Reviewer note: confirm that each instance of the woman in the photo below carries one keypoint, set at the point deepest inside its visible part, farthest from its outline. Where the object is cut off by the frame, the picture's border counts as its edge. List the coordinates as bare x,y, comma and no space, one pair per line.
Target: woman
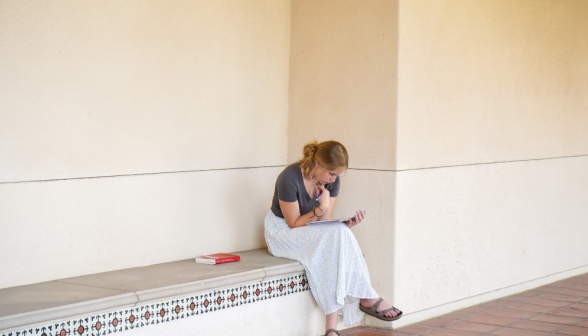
306,191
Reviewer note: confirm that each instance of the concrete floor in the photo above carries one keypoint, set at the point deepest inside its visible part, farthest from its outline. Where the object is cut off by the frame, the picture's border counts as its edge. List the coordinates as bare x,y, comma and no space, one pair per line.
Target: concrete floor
560,308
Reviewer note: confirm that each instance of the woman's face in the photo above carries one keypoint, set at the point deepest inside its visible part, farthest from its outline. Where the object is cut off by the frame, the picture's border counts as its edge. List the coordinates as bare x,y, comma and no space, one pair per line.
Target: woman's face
326,176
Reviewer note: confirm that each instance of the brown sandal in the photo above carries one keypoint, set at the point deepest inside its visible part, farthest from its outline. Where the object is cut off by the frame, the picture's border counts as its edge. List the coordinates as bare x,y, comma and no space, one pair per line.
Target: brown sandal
372,311
332,330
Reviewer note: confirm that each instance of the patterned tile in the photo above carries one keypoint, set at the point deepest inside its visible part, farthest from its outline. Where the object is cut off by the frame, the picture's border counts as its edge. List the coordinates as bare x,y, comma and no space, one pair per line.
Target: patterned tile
171,310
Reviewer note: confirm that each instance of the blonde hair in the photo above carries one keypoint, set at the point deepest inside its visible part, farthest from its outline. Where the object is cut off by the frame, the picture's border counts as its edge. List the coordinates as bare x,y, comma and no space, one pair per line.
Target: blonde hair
331,154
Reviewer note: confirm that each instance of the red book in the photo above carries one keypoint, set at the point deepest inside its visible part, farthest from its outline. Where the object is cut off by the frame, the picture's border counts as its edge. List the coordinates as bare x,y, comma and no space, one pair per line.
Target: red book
217,258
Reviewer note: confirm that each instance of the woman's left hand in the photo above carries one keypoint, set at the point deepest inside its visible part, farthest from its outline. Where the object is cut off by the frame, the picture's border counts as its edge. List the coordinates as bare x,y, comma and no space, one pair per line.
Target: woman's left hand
359,216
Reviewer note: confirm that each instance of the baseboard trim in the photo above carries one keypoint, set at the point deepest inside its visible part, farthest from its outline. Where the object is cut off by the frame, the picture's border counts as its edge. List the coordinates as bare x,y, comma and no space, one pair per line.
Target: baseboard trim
425,314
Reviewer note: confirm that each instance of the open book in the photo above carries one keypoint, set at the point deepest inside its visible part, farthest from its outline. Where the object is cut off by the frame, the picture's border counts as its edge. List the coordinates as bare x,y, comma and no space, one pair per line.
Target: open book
339,220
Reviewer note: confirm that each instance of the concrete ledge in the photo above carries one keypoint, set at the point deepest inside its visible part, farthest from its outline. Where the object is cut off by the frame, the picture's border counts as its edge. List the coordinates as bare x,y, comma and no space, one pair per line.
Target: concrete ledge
65,298
62,312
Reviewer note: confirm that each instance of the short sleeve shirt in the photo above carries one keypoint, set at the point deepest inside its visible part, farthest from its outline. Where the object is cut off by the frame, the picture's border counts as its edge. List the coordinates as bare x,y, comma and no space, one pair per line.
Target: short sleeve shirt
290,188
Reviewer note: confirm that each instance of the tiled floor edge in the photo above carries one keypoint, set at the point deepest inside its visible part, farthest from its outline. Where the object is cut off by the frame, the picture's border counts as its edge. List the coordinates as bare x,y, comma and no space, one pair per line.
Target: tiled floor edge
167,310
429,313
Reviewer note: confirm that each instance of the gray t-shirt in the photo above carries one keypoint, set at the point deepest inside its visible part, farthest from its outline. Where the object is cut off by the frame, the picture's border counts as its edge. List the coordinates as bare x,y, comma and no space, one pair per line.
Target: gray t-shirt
290,188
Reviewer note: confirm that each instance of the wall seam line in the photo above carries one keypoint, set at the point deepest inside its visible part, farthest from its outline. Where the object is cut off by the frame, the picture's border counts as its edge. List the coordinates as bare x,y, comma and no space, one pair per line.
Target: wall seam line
278,166
141,174
468,164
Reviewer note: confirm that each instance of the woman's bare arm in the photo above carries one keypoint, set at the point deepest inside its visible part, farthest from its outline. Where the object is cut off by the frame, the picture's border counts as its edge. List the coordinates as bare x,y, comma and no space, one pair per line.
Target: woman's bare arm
291,211
292,216
327,215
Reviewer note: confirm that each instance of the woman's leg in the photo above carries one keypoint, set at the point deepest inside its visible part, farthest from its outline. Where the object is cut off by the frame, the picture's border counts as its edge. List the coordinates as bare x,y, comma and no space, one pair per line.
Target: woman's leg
332,322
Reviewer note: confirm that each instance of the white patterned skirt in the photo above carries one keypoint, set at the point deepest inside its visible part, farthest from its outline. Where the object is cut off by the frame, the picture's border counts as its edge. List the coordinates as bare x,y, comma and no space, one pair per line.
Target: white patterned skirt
336,271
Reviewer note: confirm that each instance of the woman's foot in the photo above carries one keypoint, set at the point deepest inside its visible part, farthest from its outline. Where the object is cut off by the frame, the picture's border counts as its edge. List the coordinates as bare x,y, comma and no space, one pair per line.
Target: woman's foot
383,306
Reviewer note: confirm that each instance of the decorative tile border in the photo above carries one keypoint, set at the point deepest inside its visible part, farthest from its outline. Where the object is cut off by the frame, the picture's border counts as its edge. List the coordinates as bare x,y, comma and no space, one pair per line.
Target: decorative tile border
167,311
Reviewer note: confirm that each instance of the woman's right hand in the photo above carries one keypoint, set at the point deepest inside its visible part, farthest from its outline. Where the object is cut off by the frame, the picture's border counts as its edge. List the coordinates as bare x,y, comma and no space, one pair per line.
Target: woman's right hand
325,199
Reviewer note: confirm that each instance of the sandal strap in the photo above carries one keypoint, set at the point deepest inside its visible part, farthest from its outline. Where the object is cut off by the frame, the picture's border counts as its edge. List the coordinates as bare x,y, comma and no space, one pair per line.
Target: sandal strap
332,330
383,312
375,306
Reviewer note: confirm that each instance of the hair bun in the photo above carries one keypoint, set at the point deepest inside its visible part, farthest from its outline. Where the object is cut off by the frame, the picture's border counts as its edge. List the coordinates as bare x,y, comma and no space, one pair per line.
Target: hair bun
310,149
330,154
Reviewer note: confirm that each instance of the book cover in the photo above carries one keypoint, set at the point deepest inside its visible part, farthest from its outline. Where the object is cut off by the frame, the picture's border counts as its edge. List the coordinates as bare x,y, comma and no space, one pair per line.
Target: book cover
218,258
338,220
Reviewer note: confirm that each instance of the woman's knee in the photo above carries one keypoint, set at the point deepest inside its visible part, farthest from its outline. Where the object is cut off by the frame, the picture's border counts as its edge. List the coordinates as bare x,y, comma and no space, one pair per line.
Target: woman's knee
342,230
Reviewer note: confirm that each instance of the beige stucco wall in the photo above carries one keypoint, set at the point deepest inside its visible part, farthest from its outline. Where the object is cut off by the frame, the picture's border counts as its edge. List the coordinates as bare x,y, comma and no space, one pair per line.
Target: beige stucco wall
480,83
61,229
109,88
374,192
343,70
343,78
491,81
448,84
93,89
122,89
469,230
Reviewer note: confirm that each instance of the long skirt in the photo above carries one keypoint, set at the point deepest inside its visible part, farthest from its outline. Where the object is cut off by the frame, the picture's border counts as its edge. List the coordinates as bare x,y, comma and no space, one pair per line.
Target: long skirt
337,274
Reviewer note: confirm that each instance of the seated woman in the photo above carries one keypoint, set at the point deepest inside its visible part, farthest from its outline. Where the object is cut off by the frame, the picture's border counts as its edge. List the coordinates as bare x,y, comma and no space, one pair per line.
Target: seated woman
306,191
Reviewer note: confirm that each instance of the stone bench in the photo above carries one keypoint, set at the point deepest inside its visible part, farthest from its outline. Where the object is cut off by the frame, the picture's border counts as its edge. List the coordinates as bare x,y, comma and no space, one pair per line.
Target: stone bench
122,300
